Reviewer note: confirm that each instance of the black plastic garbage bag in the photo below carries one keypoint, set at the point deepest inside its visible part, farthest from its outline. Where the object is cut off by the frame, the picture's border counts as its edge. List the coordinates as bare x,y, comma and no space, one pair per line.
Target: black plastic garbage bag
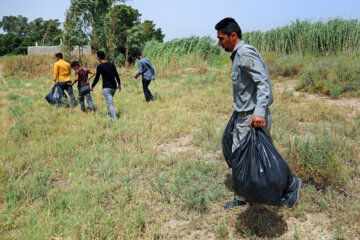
260,174
56,95
227,139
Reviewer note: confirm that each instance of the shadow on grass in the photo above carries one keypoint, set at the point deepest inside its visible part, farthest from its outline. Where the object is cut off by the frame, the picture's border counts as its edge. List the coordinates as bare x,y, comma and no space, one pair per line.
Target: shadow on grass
261,221
257,220
229,182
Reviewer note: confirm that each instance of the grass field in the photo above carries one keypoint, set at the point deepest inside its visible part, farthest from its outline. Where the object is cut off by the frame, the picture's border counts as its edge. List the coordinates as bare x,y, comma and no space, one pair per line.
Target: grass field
158,172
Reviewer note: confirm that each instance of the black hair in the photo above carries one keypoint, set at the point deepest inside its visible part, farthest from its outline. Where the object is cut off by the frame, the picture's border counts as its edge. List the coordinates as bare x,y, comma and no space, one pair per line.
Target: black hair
59,55
75,64
101,55
228,26
138,53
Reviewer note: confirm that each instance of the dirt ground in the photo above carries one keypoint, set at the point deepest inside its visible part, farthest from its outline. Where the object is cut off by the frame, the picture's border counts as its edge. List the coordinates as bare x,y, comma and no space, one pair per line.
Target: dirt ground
350,106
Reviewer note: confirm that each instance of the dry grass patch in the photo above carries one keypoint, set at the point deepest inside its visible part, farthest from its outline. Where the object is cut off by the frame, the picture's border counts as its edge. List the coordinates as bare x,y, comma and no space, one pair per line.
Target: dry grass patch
158,172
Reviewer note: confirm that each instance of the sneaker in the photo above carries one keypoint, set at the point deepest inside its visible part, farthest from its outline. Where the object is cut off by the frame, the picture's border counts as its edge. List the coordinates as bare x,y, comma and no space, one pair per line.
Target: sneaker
92,112
293,196
234,203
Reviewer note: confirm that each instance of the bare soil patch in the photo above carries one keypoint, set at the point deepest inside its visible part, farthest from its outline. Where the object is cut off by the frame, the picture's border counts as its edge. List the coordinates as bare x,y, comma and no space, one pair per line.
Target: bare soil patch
191,70
350,106
177,145
316,226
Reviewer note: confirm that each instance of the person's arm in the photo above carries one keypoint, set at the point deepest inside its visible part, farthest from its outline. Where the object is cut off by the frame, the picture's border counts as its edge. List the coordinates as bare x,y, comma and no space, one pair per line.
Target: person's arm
252,66
76,79
117,78
56,73
152,70
97,77
140,70
91,75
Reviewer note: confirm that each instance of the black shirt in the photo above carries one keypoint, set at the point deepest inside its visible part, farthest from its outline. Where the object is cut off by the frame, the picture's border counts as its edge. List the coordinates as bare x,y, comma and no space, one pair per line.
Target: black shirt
109,73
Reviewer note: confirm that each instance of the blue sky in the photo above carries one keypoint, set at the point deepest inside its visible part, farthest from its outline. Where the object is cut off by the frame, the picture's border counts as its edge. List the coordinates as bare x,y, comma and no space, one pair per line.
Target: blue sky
183,18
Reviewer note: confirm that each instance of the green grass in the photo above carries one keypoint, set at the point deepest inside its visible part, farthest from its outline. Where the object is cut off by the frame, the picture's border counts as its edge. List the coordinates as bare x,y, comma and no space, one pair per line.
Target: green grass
192,52
335,36
332,76
158,172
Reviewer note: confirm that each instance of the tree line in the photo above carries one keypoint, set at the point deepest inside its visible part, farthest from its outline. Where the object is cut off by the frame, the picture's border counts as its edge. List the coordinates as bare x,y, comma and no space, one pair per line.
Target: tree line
20,33
107,25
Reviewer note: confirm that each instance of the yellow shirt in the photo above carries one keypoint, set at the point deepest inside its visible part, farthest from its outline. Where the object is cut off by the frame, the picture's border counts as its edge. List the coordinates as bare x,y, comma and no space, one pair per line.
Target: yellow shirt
62,71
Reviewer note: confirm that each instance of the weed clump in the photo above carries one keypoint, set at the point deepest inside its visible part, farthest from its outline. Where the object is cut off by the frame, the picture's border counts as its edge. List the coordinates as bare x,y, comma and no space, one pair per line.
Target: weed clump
320,160
331,76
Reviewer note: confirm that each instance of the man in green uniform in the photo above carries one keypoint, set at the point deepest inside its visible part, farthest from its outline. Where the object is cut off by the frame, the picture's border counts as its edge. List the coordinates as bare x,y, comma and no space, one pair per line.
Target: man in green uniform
252,93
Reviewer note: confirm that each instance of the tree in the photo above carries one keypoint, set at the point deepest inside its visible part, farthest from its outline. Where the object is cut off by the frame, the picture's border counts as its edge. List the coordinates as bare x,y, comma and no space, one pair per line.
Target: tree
127,34
121,18
134,42
87,17
12,43
114,28
12,24
150,33
75,30
45,32
21,34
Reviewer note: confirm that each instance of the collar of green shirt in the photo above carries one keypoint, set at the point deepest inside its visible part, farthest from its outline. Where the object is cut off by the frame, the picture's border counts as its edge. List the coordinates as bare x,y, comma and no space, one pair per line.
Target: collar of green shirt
236,48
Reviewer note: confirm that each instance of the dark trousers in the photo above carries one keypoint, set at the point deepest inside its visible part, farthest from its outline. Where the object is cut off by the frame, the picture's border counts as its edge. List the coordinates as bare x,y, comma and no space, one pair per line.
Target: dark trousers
147,93
84,92
69,89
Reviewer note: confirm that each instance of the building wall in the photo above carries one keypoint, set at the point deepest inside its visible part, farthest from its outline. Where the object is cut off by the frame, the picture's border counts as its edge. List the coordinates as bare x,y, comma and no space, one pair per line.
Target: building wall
50,50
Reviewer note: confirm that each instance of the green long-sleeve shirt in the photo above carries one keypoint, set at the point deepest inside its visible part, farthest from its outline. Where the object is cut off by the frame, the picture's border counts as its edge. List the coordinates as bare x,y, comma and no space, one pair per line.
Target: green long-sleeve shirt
251,80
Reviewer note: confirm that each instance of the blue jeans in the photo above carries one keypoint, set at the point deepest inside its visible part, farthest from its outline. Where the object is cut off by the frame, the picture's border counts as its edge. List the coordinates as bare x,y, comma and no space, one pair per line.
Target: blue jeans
108,95
84,91
147,93
65,87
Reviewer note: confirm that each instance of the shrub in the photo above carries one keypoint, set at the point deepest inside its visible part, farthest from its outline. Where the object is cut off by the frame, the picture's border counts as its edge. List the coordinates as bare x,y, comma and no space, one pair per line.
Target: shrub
286,66
331,76
320,160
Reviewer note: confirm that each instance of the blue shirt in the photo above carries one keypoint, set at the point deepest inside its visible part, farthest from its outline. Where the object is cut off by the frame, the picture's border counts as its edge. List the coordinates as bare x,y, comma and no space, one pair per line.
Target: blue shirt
145,69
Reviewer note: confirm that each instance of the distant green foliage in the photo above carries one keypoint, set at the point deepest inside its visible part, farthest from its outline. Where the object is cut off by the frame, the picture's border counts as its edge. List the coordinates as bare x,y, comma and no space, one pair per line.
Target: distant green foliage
20,34
108,26
204,46
13,24
284,65
331,76
181,53
319,38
